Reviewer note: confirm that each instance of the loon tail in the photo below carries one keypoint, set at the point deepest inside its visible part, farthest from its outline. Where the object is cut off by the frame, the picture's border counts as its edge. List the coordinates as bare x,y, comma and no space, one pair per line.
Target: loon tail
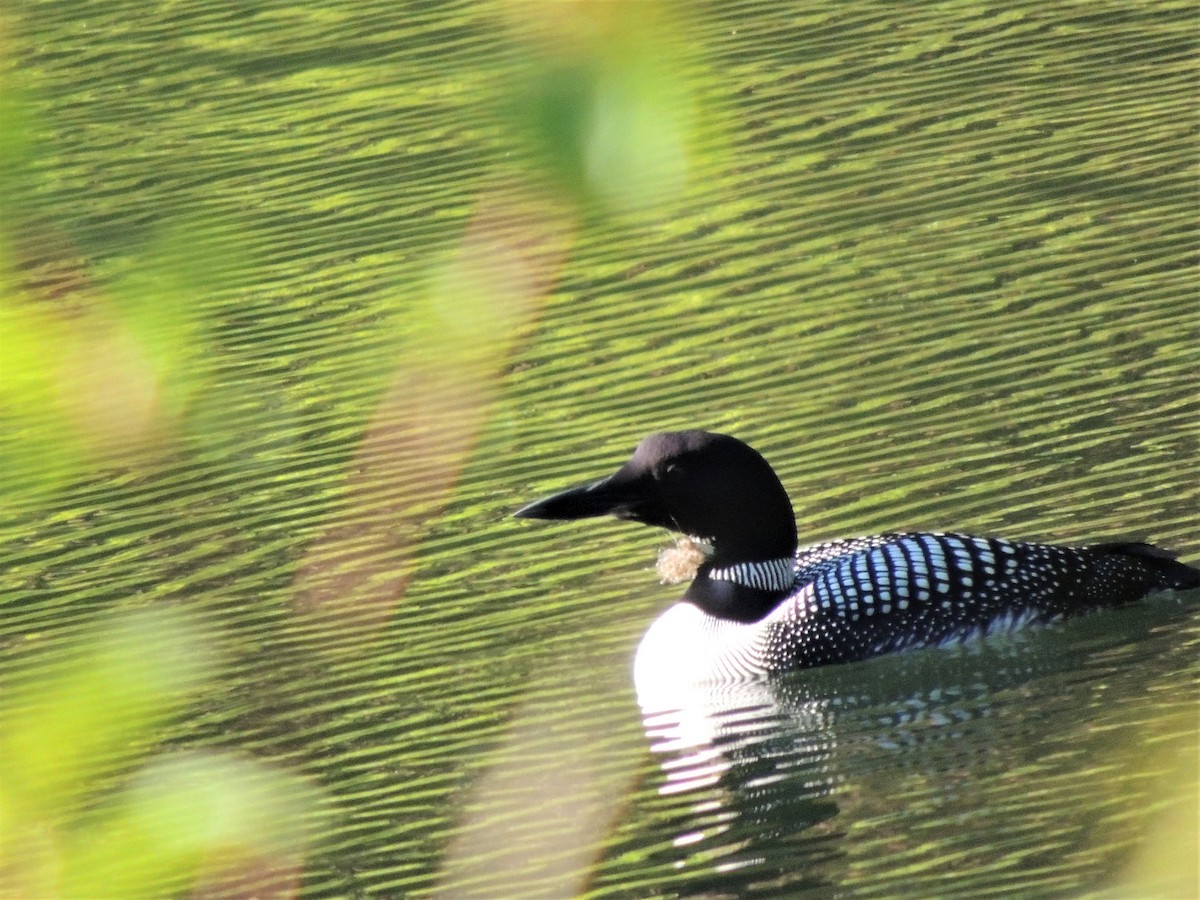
1163,567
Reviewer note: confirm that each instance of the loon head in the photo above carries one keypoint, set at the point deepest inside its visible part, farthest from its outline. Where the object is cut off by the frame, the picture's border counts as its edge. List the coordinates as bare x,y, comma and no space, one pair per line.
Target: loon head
697,483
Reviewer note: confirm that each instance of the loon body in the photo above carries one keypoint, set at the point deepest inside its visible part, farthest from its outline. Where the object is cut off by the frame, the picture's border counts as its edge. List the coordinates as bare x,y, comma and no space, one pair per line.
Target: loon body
759,604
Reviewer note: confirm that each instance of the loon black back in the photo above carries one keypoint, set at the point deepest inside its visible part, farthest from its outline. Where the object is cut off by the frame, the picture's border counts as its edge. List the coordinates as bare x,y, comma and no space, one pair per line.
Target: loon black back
892,592
759,604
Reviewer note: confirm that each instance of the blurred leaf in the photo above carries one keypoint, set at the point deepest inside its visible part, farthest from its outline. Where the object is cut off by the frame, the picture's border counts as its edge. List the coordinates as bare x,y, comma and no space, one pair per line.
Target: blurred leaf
80,716
605,107
187,817
88,710
107,367
470,311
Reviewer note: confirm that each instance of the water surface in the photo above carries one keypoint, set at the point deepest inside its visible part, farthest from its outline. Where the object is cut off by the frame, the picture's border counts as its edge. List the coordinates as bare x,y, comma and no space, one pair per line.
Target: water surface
941,273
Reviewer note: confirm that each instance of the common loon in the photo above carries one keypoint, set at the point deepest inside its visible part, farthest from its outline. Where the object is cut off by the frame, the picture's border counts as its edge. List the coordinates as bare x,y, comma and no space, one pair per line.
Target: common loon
759,605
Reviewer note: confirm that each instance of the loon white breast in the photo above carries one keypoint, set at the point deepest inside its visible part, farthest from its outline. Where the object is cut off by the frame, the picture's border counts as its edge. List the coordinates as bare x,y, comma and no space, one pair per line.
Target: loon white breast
759,604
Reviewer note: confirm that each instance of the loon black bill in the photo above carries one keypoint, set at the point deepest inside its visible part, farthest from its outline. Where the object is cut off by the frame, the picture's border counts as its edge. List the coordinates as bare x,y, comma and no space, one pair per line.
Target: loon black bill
612,496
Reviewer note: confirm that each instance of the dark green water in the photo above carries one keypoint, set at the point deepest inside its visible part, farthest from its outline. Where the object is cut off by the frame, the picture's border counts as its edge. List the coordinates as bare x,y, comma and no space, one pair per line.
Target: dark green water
939,265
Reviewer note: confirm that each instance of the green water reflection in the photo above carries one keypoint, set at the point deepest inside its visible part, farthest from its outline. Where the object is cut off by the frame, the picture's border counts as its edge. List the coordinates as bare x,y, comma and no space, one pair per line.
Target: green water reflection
936,263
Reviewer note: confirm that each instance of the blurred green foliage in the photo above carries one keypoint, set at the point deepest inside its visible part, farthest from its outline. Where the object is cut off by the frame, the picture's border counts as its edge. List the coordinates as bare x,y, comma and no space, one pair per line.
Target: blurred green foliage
77,720
108,357
102,362
106,373
111,360
100,365
607,109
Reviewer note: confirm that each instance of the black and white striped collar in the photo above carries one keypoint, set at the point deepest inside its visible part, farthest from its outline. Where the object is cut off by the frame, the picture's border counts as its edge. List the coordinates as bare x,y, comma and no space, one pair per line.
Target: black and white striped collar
766,575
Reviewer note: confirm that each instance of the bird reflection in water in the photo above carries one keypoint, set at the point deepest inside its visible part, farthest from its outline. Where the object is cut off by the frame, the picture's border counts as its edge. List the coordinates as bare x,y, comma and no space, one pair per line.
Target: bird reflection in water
808,781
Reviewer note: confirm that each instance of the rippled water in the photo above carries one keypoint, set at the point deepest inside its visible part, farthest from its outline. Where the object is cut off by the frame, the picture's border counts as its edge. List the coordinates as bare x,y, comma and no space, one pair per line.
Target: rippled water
969,773
943,276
